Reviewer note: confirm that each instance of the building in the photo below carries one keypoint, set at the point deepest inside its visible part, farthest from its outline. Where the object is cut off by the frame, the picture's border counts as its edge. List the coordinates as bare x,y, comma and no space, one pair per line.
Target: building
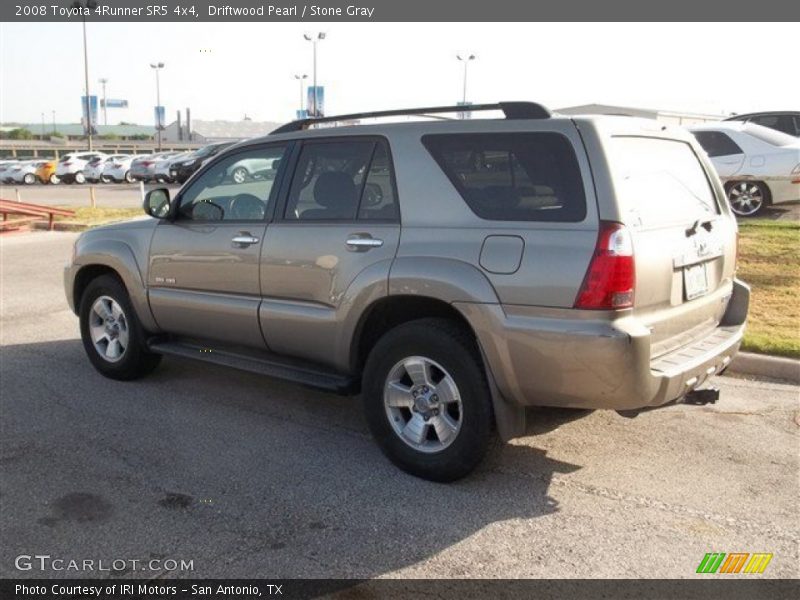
217,131
665,116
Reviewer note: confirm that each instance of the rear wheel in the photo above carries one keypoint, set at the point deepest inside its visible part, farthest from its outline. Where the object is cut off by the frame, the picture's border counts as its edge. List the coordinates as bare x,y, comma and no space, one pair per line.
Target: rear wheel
79,177
747,198
54,179
111,333
29,179
239,175
128,178
427,401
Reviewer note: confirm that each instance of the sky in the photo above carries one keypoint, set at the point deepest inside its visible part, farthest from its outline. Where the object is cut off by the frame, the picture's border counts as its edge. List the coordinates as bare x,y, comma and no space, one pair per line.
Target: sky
226,71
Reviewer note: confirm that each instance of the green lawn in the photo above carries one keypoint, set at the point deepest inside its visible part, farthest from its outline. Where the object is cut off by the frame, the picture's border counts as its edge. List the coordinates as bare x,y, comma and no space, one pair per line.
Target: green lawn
769,260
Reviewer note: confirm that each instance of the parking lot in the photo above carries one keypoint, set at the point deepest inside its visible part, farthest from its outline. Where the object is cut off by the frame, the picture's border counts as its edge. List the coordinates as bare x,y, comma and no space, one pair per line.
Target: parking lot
248,476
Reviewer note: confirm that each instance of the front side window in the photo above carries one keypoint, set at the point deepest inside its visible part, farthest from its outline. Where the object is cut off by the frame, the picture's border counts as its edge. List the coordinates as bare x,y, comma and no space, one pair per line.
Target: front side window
716,143
342,180
239,187
513,176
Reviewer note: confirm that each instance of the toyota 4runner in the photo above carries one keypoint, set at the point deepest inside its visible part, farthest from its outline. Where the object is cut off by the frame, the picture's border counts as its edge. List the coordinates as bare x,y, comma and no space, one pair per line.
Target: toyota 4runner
452,271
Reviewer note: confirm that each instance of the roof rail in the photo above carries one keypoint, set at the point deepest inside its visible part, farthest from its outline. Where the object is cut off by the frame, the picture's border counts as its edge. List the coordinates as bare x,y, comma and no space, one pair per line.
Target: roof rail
512,110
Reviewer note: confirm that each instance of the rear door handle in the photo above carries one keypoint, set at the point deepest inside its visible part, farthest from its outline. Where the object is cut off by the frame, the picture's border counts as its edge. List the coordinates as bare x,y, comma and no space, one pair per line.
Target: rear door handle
362,244
244,239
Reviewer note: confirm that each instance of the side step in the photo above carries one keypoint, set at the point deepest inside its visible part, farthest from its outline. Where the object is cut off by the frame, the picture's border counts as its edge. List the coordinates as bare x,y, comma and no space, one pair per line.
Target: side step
269,365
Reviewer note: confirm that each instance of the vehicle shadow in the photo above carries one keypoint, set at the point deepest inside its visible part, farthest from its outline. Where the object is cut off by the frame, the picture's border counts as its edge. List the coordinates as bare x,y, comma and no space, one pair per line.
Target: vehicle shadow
245,475
781,212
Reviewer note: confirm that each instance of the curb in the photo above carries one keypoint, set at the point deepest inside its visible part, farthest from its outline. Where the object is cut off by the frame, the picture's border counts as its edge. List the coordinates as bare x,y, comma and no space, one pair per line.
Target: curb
761,365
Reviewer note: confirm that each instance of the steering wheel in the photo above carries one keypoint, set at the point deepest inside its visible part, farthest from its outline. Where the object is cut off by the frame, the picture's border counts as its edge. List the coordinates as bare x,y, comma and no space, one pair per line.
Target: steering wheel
373,195
247,207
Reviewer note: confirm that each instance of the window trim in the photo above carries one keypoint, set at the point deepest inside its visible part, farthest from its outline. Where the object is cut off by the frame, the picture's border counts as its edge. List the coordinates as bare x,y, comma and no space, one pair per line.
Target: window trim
456,184
301,143
224,155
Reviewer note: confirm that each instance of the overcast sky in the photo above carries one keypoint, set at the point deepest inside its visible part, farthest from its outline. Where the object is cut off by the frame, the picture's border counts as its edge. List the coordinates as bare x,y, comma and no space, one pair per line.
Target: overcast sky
224,71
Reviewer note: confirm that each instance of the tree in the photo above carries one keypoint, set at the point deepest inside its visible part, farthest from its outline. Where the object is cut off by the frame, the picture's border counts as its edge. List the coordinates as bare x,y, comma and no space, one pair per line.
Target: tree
19,134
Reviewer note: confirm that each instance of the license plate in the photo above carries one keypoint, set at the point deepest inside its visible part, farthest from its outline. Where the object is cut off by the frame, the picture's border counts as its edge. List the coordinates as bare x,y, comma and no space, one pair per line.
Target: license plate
695,281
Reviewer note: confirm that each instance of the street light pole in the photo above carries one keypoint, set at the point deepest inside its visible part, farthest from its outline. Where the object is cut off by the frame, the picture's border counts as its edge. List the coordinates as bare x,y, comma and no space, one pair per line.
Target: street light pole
319,37
158,67
466,63
300,79
91,5
42,125
103,82
54,121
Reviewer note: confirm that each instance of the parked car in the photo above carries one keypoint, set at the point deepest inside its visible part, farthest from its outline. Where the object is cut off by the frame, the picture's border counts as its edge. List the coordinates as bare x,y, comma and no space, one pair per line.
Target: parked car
119,169
143,167
24,172
94,172
46,173
180,171
70,169
163,166
5,169
452,271
759,166
784,121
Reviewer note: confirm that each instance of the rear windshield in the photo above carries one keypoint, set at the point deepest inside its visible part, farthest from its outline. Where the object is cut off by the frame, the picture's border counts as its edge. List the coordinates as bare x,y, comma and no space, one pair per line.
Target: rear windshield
660,181
513,176
770,136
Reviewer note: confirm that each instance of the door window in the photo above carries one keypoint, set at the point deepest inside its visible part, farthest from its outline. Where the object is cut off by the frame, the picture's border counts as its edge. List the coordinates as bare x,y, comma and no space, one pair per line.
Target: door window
716,143
339,180
239,187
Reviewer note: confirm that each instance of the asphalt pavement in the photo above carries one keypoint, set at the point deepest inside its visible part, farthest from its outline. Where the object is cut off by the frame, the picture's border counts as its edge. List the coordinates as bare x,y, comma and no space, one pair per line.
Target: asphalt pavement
251,477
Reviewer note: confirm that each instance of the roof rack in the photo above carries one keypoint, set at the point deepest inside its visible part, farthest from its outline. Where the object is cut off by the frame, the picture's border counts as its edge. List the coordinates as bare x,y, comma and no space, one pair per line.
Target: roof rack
512,110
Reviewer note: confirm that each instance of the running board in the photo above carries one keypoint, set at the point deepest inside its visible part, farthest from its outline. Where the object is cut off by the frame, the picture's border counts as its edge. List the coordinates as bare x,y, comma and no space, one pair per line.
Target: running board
271,366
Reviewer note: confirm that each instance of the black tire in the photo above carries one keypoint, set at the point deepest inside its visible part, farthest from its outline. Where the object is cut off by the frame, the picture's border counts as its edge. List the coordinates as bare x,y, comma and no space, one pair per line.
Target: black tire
455,349
135,361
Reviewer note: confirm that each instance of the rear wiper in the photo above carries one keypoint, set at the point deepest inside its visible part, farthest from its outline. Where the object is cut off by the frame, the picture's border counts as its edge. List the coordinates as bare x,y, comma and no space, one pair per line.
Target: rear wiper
699,223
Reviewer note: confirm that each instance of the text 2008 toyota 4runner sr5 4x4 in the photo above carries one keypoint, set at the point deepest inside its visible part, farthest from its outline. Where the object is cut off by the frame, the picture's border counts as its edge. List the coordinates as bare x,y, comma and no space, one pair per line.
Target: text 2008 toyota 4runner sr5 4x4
452,271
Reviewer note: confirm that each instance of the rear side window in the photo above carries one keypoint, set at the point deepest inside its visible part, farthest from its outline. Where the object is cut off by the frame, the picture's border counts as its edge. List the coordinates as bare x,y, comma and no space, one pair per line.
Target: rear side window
342,181
513,176
659,181
716,143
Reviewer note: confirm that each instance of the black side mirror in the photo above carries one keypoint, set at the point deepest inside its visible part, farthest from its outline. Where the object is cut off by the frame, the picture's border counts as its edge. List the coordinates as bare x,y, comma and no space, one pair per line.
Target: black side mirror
157,204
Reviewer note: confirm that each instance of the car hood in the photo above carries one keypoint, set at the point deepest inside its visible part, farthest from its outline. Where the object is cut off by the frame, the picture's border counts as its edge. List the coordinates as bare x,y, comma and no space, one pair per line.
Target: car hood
143,222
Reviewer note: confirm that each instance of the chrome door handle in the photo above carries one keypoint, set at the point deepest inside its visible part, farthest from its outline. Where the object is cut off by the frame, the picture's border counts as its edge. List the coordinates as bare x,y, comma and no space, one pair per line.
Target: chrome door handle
244,239
363,243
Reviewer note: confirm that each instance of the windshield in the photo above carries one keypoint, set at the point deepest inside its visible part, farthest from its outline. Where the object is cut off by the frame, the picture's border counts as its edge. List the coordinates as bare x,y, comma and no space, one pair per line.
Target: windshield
770,136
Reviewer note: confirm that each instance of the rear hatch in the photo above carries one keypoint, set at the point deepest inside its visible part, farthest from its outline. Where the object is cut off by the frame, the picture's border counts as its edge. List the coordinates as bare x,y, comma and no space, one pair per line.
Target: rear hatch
684,241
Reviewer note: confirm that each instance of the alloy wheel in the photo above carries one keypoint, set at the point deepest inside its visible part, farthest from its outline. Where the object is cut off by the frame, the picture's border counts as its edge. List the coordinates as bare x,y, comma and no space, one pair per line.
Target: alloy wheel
746,198
108,327
423,404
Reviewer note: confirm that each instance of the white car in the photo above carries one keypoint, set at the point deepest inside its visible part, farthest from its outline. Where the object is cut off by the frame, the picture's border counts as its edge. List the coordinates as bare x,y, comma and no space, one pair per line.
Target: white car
758,165
119,169
24,172
70,167
94,170
162,165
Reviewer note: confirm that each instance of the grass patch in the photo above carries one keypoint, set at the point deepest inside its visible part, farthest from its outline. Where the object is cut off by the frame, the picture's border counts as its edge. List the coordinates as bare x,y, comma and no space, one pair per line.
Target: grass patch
769,260
100,215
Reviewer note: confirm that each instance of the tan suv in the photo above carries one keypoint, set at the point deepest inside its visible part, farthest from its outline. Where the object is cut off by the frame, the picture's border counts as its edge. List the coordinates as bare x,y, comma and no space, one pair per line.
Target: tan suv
452,271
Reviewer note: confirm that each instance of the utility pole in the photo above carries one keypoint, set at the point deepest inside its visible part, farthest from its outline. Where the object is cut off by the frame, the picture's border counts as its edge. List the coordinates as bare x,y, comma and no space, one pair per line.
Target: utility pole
319,37
103,82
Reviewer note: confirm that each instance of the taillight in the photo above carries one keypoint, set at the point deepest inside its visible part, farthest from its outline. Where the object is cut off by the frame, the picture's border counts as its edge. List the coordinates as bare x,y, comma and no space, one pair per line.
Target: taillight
146,163
611,276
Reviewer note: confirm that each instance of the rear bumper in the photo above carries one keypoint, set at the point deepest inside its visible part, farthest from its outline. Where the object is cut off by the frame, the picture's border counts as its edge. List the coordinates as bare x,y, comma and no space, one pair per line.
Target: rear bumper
592,363
783,190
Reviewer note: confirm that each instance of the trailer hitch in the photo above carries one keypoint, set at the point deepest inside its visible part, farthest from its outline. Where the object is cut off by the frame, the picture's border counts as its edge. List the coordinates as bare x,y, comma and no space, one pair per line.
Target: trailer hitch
702,397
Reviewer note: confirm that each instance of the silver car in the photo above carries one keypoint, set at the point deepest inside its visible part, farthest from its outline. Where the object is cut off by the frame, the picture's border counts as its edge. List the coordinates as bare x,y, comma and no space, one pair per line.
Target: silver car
452,272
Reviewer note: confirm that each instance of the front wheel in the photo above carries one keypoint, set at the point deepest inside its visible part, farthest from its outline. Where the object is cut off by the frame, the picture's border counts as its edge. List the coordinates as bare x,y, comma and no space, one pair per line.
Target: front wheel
29,179
747,198
54,180
239,175
79,177
128,178
427,401
111,334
